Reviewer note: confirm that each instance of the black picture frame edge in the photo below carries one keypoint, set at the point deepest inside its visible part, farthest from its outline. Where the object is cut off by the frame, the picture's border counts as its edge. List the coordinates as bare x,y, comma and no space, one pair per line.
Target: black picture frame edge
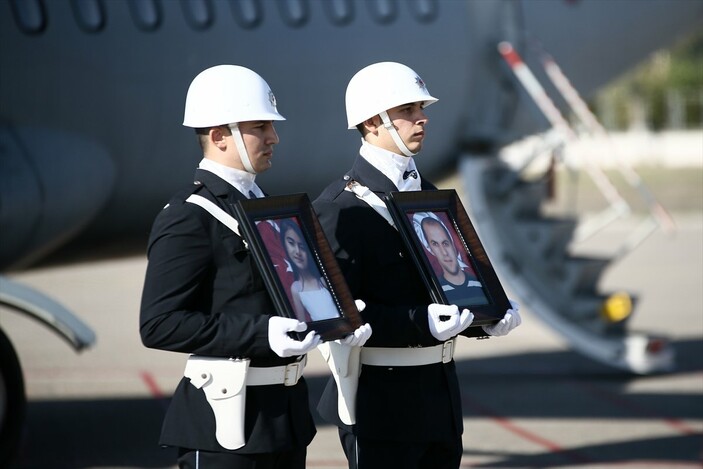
448,200
298,205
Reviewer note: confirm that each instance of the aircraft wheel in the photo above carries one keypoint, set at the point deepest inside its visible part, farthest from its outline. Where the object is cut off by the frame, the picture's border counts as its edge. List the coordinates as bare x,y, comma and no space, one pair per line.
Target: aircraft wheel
12,401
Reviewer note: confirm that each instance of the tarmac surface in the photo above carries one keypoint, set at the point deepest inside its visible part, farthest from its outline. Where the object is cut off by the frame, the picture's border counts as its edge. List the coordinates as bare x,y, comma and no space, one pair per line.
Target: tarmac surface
528,401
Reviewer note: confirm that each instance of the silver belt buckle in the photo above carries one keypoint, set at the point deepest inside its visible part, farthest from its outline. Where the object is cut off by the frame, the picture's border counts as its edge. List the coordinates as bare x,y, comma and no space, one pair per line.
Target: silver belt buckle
290,378
294,371
448,351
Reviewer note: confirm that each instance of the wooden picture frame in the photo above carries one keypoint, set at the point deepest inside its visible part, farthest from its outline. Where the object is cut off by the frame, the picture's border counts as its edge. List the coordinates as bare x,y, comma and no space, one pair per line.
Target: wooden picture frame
448,253
299,269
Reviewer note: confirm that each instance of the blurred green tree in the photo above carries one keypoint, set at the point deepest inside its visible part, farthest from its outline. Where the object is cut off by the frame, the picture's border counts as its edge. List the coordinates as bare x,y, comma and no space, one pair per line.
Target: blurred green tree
665,91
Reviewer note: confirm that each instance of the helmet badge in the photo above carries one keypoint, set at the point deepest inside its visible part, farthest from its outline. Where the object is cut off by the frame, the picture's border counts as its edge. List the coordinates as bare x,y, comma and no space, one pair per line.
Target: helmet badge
272,98
420,83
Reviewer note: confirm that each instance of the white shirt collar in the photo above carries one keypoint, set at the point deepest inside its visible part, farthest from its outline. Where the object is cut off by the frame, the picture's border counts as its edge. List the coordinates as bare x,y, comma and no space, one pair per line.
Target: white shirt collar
241,180
393,166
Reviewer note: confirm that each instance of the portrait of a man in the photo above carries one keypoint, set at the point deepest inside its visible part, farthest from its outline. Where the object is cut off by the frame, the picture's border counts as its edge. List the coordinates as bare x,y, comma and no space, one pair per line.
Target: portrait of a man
458,280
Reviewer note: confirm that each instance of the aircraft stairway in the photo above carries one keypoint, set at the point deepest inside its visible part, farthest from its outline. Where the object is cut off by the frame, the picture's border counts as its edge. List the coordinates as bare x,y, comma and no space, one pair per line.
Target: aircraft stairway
530,250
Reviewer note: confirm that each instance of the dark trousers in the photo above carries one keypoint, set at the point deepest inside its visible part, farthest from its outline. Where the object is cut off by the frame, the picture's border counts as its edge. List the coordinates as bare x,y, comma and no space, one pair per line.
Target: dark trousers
192,459
364,453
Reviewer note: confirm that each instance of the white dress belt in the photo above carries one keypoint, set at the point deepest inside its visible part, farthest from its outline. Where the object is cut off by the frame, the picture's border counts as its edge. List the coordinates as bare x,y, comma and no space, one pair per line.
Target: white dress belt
288,375
415,356
224,382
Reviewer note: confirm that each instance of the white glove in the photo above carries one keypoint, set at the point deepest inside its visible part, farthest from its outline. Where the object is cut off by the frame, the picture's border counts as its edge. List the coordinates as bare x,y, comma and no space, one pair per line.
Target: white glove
359,337
444,329
509,322
362,333
285,346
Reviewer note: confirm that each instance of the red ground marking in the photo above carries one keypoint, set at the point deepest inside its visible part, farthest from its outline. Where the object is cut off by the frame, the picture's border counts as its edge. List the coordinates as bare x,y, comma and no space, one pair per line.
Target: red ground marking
151,384
623,403
525,434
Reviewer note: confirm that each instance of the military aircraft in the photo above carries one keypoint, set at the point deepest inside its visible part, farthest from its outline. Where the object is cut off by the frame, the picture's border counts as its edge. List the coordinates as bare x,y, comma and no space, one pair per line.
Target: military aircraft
91,105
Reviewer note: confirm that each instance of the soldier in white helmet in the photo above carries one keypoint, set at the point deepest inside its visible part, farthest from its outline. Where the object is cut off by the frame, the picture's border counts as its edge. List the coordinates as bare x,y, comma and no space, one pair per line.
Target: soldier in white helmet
242,402
407,411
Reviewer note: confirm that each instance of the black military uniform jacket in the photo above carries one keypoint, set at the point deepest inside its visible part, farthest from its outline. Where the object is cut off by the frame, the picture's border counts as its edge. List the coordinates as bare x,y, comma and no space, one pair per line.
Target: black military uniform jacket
419,403
203,294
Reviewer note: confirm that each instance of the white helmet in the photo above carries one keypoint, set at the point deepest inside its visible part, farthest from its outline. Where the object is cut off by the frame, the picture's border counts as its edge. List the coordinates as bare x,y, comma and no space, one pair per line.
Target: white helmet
226,94
380,87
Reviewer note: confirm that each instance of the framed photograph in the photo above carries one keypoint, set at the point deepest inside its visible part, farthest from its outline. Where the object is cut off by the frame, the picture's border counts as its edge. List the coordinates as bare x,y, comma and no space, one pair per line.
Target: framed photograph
446,249
298,266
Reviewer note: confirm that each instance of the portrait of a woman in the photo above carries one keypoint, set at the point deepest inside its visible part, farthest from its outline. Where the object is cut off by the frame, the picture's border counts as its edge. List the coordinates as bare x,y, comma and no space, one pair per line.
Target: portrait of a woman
312,300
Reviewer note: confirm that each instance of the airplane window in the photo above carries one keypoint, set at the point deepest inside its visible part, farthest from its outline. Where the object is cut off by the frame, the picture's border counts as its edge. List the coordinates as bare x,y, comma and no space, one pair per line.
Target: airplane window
146,14
424,10
383,11
198,13
247,13
294,12
90,14
339,12
30,15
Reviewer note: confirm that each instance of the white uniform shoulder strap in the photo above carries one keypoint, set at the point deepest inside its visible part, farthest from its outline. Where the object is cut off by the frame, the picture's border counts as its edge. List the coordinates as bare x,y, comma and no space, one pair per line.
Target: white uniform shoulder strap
224,217
374,201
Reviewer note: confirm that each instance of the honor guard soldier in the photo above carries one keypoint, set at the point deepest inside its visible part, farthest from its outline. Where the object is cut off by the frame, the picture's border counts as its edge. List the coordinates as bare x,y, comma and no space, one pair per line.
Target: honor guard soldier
242,402
408,406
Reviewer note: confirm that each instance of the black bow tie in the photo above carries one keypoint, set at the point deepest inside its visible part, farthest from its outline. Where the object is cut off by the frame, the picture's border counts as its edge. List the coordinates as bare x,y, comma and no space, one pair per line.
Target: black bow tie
411,173
252,195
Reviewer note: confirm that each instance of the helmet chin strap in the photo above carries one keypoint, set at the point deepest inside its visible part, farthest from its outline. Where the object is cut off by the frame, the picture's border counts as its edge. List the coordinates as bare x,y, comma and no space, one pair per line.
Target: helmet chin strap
239,142
394,134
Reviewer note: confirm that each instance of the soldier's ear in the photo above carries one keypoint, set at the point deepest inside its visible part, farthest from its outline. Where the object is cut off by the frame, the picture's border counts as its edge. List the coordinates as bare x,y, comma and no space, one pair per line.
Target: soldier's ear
217,136
371,125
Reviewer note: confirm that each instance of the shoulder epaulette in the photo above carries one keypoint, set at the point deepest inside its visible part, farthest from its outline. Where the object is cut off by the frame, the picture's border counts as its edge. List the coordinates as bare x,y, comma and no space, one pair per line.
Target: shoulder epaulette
180,196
